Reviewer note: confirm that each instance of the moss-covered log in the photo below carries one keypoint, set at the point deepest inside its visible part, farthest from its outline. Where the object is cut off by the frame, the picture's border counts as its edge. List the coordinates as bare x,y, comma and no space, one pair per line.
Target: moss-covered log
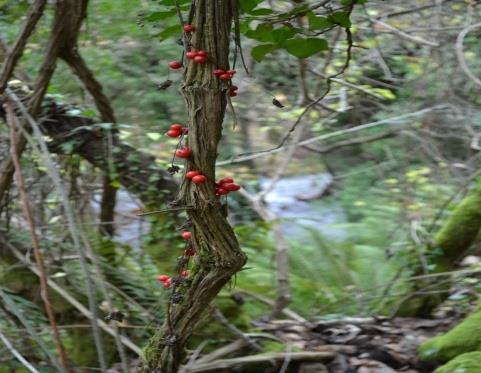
459,231
465,337
466,363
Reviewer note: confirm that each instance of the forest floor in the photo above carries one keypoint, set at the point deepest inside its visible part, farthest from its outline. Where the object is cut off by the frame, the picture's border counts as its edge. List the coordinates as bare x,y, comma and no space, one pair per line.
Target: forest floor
362,345
348,345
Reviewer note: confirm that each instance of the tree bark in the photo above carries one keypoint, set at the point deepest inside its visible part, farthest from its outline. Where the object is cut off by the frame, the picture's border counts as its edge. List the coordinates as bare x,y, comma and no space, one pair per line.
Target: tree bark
218,253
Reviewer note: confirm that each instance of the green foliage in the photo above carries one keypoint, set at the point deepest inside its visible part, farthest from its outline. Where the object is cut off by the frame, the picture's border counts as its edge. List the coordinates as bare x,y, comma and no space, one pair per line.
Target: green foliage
461,339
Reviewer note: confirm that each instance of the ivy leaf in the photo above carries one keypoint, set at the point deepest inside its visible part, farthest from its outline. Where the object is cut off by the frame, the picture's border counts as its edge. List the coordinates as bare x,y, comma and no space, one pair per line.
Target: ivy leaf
303,48
260,51
317,22
340,18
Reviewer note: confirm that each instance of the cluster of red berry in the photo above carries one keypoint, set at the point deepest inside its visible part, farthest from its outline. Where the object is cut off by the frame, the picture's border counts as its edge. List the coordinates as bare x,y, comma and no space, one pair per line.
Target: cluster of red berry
166,280
225,186
200,56
197,56
176,130
196,177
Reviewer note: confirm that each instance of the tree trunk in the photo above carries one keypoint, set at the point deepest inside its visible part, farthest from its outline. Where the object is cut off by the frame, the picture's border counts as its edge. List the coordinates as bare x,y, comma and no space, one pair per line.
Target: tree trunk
218,253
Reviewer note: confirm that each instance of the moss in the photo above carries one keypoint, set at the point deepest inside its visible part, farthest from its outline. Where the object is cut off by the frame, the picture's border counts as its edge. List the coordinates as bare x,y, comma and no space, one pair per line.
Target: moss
462,227
465,337
466,363
452,241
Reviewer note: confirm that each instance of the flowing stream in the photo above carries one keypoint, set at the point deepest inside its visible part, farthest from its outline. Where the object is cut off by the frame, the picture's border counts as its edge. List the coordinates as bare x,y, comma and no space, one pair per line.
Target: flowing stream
295,200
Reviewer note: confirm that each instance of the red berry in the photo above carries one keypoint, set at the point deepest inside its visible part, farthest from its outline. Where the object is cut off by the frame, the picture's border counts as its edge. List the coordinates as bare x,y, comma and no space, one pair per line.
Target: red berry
234,88
226,180
218,72
185,131
231,72
232,93
231,187
176,127
191,55
183,153
189,28
167,283
225,76
202,53
175,65
200,59
221,191
184,273
191,174
199,179
189,252
163,278
186,235
173,133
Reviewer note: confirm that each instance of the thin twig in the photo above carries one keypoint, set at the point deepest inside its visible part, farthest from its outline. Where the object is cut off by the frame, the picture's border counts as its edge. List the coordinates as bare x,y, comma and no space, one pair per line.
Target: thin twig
52,171
34,14
460,53
17,354
12,122
237,332
392,120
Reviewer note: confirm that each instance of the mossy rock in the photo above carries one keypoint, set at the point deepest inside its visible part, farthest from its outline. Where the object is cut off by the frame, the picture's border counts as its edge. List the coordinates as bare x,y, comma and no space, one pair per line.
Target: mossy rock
469,362
465,337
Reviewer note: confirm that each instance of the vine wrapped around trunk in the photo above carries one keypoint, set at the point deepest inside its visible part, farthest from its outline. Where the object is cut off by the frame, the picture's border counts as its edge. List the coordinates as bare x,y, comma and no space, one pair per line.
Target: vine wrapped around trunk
218,253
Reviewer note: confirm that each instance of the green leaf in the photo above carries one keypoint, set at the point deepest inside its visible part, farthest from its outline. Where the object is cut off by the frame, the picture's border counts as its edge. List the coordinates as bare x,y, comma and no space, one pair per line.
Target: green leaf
263,32
260,51
156,16
281,34
340,18
303,48
169,32
173,2
317,22
351,2
247,6
261,12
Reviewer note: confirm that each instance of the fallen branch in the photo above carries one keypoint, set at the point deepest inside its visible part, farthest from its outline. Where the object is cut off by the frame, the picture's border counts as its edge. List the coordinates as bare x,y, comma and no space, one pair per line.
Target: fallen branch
12,123
274,358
